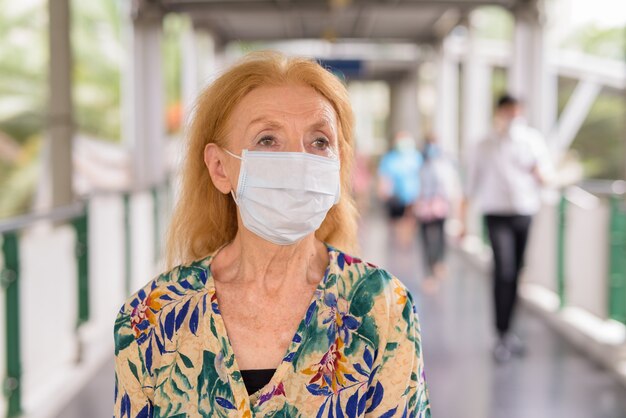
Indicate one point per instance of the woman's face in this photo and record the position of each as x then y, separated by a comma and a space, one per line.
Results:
292, 118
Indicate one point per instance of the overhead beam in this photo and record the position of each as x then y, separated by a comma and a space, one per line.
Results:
446, 22
264, 5
580, 66
226, 39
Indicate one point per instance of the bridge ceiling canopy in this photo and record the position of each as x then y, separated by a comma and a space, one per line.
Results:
416, 21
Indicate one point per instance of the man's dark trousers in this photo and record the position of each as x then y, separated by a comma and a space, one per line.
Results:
508, 235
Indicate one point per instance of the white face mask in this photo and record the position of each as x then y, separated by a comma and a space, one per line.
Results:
285, 196
405, 144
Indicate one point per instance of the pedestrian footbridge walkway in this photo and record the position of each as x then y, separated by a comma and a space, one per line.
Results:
554, 380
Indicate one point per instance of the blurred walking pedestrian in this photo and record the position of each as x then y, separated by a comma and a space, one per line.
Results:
505, 176
431, 209
399, 185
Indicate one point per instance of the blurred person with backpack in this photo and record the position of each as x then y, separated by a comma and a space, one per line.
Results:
432, 209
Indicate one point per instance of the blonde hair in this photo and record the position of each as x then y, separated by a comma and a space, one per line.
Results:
204, 218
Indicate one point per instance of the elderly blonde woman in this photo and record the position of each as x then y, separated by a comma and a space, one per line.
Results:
264, 316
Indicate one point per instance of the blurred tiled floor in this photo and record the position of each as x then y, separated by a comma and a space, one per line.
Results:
552, 381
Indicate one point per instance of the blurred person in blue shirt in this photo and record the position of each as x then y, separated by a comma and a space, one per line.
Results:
399, 184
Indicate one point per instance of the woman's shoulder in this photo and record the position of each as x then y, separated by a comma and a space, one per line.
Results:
141, 310
369, 289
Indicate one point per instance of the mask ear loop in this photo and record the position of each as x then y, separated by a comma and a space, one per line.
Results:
232, 193
232, 155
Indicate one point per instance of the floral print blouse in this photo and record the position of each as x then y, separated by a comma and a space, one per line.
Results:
356, 352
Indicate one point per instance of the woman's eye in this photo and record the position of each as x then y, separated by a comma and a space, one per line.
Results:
321, 143
267, 141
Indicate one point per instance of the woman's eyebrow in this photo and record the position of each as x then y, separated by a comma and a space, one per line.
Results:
265, 121
274, 124
325, 125
322, 123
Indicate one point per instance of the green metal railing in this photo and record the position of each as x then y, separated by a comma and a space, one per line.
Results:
81, 226
78, 216
128, 258
560, 251
10, 278
614, 193
10, 283
617, 260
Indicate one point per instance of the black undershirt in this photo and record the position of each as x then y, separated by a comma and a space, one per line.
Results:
256, 379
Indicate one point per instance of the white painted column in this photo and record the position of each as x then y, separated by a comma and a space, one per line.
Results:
208, 62
403, 110
531, 78
447, 110
190, 80
144, 113
476, 95
519, 77
55, 188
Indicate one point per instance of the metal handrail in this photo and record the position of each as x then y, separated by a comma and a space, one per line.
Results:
71, 211
58, 214
77, 215
603, 188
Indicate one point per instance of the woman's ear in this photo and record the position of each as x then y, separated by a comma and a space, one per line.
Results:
213, 159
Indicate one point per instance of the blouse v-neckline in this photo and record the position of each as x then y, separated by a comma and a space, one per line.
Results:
240, 393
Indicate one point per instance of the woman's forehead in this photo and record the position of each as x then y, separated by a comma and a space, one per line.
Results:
270, 104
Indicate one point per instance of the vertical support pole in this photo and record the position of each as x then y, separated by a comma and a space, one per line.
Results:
403, 110
531, 77
127, 244
10, 282
56, 189
475, 121
447, 113
560, 263
144, 123
81, 226
190, 83
617, 261
476, 94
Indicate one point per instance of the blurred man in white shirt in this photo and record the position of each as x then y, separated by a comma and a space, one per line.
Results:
505, 175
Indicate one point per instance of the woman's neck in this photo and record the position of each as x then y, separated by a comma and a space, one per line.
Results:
252, 261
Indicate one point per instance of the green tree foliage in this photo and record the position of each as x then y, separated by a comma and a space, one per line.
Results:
600, 141
23, 65
97, 61
602, 42
493, 22
98, 58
